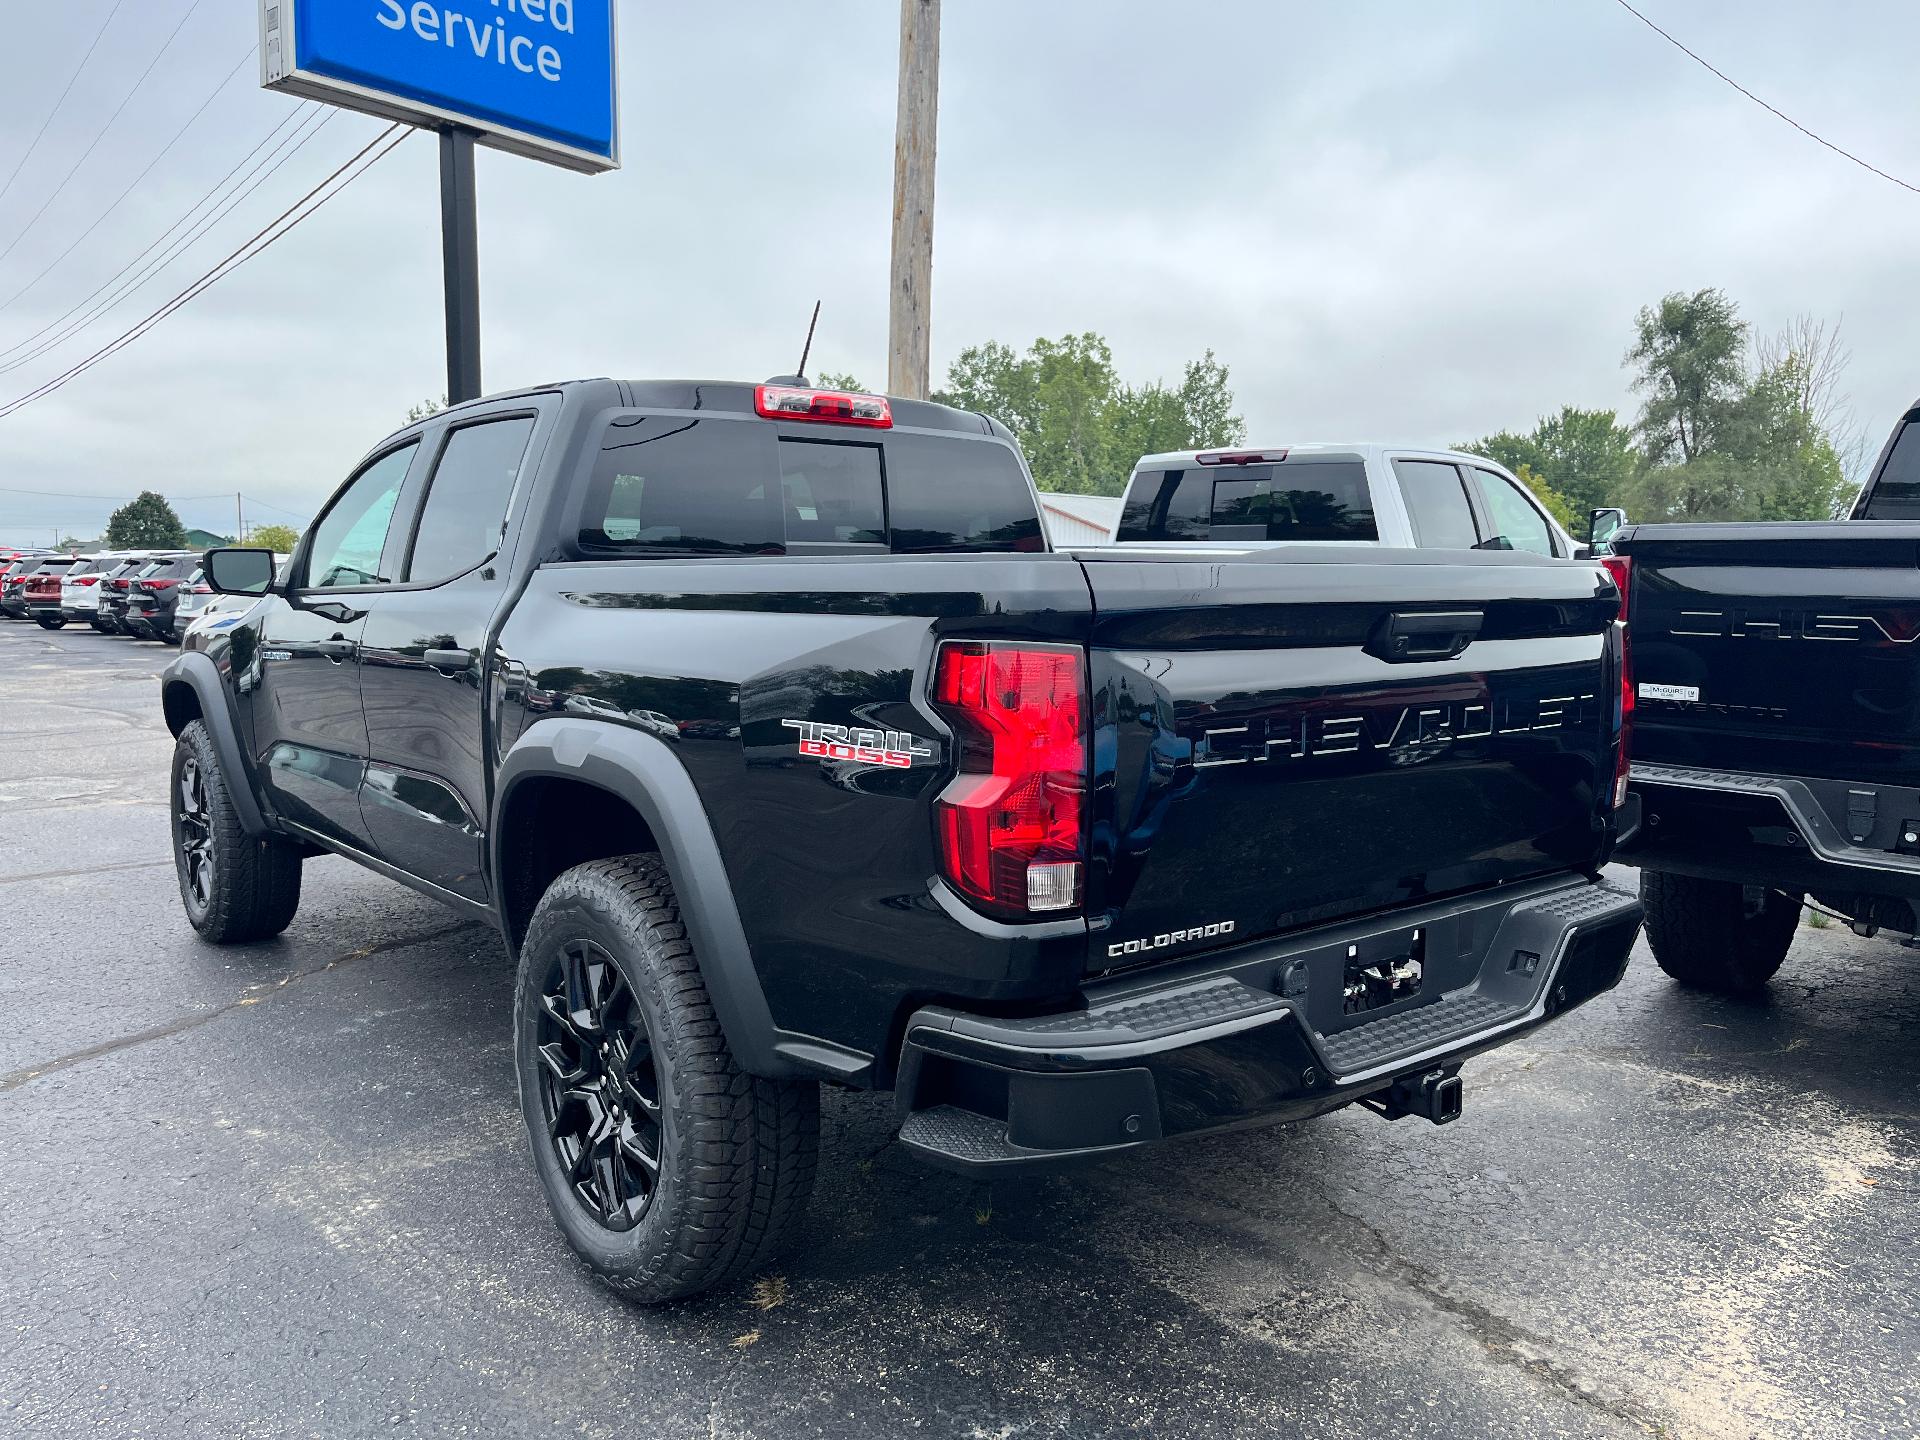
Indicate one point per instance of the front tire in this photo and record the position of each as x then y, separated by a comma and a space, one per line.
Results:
667, 1167
1711, 935
236, 888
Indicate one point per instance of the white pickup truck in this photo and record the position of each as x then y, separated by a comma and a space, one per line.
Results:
1334, 495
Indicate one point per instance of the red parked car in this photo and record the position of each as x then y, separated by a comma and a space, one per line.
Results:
40, 591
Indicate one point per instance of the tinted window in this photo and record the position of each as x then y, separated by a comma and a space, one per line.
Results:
701, 486
830, 493
348, 540
948, 494
731, 487
1167, 505
466, 508
1437, 505
1303, 501
1514, 517
1896, 494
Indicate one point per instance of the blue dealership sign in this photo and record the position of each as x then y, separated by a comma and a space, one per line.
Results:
536, 77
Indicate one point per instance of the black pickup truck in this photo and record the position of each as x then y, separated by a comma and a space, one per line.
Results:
778, 746
1776, 725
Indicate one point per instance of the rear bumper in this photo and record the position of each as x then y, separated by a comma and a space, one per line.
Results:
1258, 1038
1791, 833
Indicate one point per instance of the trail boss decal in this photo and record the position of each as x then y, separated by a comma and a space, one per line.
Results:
894, 748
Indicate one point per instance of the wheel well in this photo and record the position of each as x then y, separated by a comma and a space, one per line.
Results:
181, 705
549, 825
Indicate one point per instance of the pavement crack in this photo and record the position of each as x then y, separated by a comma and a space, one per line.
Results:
83, 871
1503, 1340
13, 1080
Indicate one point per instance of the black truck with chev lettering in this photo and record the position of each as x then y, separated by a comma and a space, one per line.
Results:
1776, 724
779, 746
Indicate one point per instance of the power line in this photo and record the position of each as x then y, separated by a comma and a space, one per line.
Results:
80, 239
40, 134
125, 100
233, 261
1770, 109
10, 359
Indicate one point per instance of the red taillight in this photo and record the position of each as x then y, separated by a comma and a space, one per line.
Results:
838, 407
1241, 457
160, 584
86, 580
1011, 824
1620, 567
203, 590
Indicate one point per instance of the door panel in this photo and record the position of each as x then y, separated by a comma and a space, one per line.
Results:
425, 795
309, 731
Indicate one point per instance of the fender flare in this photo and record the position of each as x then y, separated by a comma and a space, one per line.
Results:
643, 771
199, 674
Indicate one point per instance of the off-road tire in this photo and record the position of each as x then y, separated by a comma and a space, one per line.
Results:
736, 1151
1705, 933
50, 622
250, 888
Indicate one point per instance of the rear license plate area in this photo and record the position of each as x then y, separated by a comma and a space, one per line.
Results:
1373, 982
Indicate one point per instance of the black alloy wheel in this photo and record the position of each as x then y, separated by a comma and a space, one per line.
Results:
599, 1088
195, 829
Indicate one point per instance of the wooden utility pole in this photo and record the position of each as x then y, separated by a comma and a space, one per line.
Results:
909, 338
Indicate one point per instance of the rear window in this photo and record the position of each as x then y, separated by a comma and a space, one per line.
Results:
54, 567
668, 485
1308, 500
1896, 494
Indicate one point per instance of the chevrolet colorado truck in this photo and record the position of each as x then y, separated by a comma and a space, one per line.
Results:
1776, 725
779, 748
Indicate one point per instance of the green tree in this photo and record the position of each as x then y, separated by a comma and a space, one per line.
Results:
279, 538
146, 522
1690, 351
1080, 426
843, 380
426, 407
1556, 503
1585, 456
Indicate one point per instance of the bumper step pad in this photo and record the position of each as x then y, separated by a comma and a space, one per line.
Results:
1452, 1017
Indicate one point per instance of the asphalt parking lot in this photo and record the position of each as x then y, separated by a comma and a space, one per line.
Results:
283, 1190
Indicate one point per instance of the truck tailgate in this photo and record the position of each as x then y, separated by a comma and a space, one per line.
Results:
1270, 755
1784, 649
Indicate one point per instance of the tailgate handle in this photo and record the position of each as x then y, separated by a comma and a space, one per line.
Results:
1432, 635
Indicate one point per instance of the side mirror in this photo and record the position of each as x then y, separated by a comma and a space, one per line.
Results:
1602, 526
237, 571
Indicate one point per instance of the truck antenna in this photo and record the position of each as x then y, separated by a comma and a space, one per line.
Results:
807, 349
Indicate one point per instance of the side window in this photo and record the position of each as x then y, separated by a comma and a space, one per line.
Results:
349, 538
1437, 505
1896, 490
466, 508
1514, 516
1167, 505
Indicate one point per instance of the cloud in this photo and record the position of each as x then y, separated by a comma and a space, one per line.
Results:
1391, 220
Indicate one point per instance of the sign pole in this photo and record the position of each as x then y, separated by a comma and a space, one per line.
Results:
460, 259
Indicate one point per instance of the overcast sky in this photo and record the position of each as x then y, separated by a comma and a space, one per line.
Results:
1392, 219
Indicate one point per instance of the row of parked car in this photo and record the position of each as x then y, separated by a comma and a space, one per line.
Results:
148, 594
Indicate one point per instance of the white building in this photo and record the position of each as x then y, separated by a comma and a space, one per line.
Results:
1079, 519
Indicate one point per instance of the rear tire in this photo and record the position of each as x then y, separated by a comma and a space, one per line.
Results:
1707, 934
668, 1168
50, 622
236, 888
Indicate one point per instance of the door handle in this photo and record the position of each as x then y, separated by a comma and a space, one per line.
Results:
337, 649
1441, 635
451, 661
